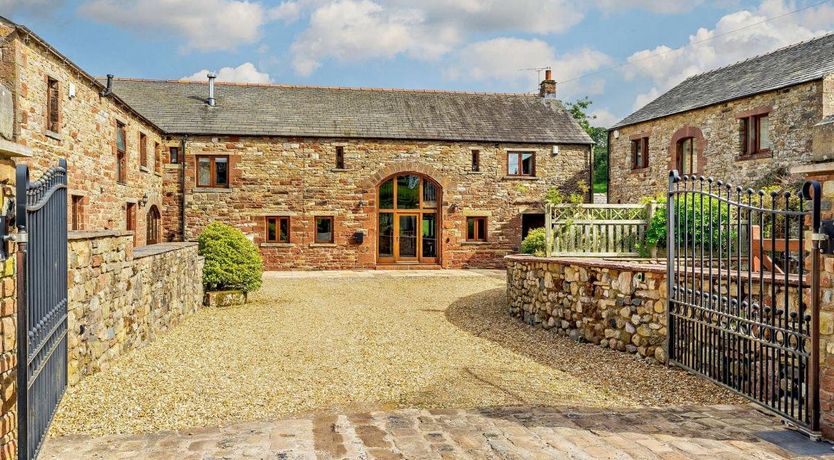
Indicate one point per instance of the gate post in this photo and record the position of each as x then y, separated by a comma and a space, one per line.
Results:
670, 258
813, 190
21, 184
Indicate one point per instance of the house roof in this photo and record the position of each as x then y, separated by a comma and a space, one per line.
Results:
179, 107
792, 65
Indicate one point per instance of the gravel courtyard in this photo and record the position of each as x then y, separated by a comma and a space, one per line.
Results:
310, 343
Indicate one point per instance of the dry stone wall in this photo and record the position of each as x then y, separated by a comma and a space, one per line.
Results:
616, 305
121, 298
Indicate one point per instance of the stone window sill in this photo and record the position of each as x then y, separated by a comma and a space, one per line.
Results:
144, 169
768, 154
474, 172
172, 166
212, 190
277, 245
323, 245
53, 135
474, 243
157, 173
532, 178
339, 169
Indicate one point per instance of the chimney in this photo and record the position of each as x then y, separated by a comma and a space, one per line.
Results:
547, 88
108, 90
211, 76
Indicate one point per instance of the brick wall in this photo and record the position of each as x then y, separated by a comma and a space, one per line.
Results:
86, 137
297, 177
795, 110
8, 359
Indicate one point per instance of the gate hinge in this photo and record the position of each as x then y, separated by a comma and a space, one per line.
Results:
19, 237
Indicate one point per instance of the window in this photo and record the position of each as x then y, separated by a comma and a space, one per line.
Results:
157, 157
340, 157
685, 163
154, 227
53, 106
130, 219
174, 155
324, 229
212, 171
754, 134
143, 150
278, 229
521, 164
640, 153
476, 160
77, 222
121, 155
476, 229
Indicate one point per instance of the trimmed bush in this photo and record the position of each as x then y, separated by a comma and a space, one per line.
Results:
534, 243
232, 261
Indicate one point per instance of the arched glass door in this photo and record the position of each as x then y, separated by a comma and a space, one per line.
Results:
408, 220
153, 235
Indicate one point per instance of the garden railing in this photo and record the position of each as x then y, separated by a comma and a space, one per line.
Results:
596, 230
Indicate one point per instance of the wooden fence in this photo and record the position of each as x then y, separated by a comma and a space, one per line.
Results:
596, 230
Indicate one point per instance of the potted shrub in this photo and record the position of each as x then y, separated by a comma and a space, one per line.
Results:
233, 265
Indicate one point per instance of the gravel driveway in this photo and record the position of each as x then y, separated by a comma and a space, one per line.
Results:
308, 343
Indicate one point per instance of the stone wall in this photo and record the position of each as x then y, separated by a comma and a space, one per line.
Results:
8, 358
121, 298
794, 112
86, 135
617, 305
309, 185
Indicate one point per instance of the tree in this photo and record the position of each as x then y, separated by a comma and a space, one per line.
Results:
579, 111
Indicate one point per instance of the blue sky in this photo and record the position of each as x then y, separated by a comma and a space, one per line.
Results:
620, 53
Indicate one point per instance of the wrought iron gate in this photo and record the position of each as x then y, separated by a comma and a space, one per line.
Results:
744, 291
41, 219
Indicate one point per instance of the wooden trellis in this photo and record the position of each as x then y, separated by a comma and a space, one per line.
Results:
596, 230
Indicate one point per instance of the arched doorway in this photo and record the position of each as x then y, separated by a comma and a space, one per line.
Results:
408, 219
153, 230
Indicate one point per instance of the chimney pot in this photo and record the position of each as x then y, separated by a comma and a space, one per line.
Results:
547, 88
211, 101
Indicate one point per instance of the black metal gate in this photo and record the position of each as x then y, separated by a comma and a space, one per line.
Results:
744, 291
41, 219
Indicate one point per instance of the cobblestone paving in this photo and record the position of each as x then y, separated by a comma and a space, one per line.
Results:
709, 432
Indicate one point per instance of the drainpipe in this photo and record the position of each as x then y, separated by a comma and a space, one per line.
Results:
183, 142
108, 89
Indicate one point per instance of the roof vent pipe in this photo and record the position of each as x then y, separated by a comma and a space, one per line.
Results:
108, 90
211, 76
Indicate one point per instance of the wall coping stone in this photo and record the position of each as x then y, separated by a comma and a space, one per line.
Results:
89, 235
594, 262
155, 249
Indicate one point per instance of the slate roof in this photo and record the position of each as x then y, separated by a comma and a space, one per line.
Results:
792, 65
179, 107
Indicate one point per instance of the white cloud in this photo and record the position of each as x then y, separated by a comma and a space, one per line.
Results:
244, 73
654, 6
725, 44
507, 60
205, 24
603, 118
9, 7
359, 30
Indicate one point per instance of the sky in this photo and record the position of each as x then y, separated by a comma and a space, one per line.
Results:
620, 54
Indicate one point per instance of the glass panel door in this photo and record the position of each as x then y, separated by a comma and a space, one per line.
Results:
407, 233
429, 235
386, 234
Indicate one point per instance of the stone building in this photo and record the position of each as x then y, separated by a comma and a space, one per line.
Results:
742, 123
319, 178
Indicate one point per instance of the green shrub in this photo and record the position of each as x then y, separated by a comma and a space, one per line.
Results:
534, 243
693, 226
232, 261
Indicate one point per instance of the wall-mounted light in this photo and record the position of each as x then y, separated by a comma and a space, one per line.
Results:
144, 200
616, 134
454, 207
71, 92
555, 150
